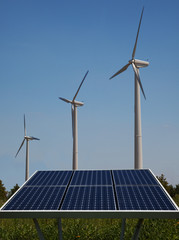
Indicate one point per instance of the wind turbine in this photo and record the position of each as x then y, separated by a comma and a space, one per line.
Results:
136, 64
74, 105
27, 139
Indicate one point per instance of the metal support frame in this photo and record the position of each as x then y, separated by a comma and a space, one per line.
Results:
41, 237
123, 228
137, 229
60, 237
60, 229
40, 234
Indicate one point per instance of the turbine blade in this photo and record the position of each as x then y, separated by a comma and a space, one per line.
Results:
133, 54
20, 147
34, 138
65, 100
72, 115
24, 126
80, 86
121, 70
138, 79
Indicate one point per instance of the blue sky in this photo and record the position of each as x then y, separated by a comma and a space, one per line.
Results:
46, 48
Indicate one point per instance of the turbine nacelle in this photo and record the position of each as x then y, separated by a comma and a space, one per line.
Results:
73, 102
78, 104
139, 63
30, 138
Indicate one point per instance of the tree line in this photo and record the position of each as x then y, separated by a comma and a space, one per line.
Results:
5, 195
173, 191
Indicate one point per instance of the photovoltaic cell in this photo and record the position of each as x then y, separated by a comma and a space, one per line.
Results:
134, 177
51, 178
143, 198
95, 177
36, 198
89, 198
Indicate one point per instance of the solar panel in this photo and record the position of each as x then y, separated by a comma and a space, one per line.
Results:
92, 190
43, 191
93, 177
51, 178
37, 198
134, 177
89, 198
140, 190
142, 198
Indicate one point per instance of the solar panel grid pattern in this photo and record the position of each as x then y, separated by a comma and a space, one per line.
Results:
91, 178
139, 190
37, 198
44, 191
90, 190
50, 178
134, 177
89, 198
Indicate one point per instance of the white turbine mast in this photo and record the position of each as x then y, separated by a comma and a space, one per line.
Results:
27, 139
136, 64
74, 105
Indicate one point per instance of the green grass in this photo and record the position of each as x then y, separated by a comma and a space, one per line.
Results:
88, 229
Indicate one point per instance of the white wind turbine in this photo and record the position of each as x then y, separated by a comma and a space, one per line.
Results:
27, 138
136, 64
74, 105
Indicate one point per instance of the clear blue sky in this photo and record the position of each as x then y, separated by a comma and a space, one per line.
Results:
46, 47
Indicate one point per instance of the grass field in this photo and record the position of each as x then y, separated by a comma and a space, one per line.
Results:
88, 229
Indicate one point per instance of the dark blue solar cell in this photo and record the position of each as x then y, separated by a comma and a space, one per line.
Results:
143, 198
134, 177
89, 198
91, 178
36, 198
51, 178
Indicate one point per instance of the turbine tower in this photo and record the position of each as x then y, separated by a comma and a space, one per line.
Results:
74, 105
136, 64
27, 139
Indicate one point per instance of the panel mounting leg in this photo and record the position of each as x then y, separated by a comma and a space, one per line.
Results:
60, 229
137, 229
41, 237
123, 228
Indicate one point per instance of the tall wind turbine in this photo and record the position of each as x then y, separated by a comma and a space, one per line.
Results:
136, 64
74, 105
27, 139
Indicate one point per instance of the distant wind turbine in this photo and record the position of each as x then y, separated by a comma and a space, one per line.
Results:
136, 64
27, 138
74, 105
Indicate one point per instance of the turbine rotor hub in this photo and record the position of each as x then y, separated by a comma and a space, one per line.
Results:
77, 103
